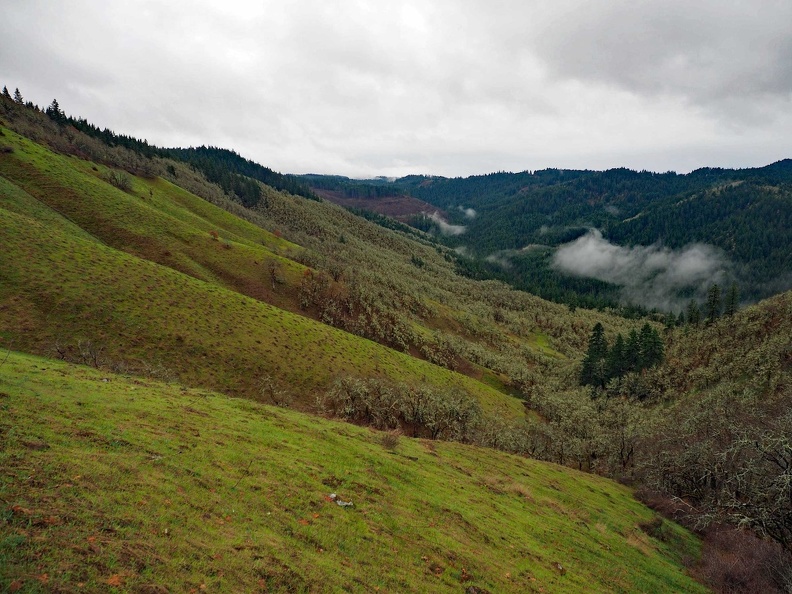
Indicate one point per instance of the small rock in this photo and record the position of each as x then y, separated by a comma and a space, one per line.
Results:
334, 497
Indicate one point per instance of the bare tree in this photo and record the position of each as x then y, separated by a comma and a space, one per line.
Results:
275, 270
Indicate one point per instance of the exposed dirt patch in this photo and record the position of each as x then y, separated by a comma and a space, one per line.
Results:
401, 208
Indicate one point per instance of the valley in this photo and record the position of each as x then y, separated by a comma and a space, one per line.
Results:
189, 348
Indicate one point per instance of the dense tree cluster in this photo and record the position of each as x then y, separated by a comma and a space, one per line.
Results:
715, 307
237, 175
56, 114
377, 188
110, 138
639, 351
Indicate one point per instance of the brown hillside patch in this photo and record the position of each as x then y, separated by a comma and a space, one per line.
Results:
400, 208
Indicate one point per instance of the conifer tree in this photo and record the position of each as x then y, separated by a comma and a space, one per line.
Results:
651, 347
693, 313
18, 97
6, 94
632, 351
594, 371
55, 113
732, 301
713, 308
616, 360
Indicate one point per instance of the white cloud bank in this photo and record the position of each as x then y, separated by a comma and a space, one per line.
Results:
447, 228
651, 276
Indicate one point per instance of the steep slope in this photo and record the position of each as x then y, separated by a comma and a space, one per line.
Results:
109, 482
724, 441
399, 290
62, 289
154, 219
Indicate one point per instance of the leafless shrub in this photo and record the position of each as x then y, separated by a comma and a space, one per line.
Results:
269, 391
738, 562
119, 179
390, 439
156, 370
672, 508
422, 410
61, 349
90, 353
275, 270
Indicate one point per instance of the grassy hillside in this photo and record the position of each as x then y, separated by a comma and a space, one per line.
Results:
61, 287
123, 484
150, 276
304, 304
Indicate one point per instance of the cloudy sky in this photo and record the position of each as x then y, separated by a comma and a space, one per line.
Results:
435, 86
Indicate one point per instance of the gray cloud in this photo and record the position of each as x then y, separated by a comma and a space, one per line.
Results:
468, 212
652, 276
733, 58
444, 87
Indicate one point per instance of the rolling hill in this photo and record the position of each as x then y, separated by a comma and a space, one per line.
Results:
138, 275
142, 268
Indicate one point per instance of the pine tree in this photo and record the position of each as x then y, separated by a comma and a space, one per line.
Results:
18, 97
632, 352
651, 347
713, 308
55, 113
693, 313
616, 361
6, 94
594, 372
732, 301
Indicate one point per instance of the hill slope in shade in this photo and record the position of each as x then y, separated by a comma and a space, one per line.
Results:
111, 481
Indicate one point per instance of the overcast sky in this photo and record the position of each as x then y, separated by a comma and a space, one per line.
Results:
436, 86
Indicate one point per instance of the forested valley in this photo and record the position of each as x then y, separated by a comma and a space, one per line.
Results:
522, 218
201, 268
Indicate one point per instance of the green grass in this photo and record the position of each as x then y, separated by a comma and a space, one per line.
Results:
68, 288
74, 268
541, 343
156, 220
110, 480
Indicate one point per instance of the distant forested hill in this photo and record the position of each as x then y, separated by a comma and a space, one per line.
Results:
513, 222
